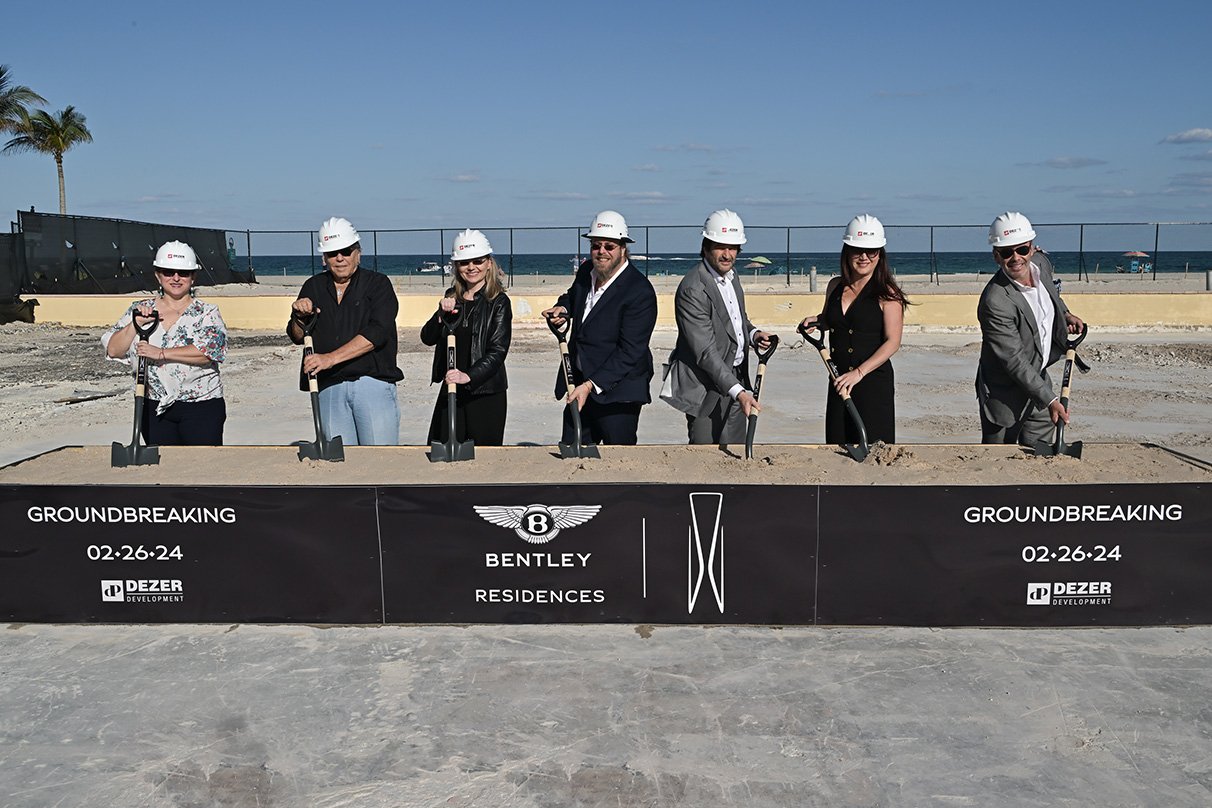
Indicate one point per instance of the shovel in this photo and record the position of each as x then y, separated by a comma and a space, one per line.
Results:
1059, 447
576, 449
452, 449
763, 358
136, 455
323, 449
857, 451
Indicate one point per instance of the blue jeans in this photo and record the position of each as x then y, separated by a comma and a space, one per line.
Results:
363, 412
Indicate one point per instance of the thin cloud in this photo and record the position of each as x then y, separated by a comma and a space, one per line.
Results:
641, 197
648, 167
919, 93
553, 195
465, 177
1065, 162
688, 146
775, 202
1201, 156
1190, 136
1063, 189
1110, 193
930, 197
1191, 182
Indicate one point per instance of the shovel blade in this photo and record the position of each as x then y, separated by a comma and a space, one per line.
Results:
330, 450
857, 451
749, 433
452, 451
134, 455
571, 450
309, 451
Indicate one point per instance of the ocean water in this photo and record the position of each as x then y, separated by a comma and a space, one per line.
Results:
944, 263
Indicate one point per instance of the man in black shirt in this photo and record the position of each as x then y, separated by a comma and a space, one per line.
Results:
355, 342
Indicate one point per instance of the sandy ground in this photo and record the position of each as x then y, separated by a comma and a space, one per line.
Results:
58, 390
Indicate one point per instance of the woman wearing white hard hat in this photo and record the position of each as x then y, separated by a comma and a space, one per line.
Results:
482, 339
864, 314
185, 405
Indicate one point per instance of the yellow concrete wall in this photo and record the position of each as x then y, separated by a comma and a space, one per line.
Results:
272, 312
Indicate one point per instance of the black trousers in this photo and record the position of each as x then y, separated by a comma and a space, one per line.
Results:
610, 424
480, 418
185, 423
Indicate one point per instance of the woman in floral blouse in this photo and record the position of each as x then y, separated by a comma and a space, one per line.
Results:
185, 404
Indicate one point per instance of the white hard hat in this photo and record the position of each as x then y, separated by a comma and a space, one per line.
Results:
468, 245
1010, 229
864, 231
724, 227
176, 255
608, 224
337, 234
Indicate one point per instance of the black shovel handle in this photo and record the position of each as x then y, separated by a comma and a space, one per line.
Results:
561, 331
306, 324
145, 331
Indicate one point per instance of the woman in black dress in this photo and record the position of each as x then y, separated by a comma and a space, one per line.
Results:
864, 314
481, 342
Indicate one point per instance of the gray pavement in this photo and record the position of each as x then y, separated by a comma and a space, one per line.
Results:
548, 716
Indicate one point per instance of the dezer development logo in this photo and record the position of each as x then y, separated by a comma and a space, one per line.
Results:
142, 591
1069, 593
537, 524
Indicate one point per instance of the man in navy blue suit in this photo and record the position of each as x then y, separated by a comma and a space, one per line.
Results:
613, 309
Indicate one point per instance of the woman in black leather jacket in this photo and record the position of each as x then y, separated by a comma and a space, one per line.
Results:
481, 342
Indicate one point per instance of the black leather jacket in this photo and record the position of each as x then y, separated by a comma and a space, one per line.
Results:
491, 323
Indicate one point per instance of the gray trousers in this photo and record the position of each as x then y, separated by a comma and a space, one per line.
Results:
1034, 426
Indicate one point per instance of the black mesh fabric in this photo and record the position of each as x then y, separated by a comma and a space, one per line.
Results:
84, 255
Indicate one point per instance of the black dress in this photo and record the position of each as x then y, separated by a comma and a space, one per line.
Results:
853, 338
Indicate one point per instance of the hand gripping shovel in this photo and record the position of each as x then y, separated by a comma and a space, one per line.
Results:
763, 358
136, 455
857, 451
451, 450
323, 449
576, 449
1059, 447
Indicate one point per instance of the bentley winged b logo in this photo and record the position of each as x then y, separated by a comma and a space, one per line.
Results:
538, 524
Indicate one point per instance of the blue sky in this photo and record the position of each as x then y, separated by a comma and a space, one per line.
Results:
399, 115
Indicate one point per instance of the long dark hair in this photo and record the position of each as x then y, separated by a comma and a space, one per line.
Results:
882, 284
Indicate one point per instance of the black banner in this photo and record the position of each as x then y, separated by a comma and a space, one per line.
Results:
598, 554
775, 555
1066, 555
181, 555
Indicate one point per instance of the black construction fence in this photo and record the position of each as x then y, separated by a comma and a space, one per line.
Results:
48, 253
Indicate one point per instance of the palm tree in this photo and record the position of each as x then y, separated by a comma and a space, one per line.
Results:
53, 135
13, 100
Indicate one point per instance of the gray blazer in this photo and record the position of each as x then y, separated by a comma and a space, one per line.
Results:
700, 370
1010, 375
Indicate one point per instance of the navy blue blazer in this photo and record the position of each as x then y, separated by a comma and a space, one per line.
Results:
610, 348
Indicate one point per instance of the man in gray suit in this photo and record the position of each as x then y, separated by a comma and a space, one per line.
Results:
707, 376
1024, 324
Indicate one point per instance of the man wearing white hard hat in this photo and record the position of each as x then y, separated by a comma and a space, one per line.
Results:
613, 309
1024, 327
708, 372
355, 342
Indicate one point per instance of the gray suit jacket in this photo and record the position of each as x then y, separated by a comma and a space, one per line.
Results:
1010, 375
700, 370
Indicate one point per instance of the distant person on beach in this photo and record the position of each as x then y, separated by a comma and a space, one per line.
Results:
185, 405
864, 314
482, 337
1024, 327
355, 342
613, 310
707, 376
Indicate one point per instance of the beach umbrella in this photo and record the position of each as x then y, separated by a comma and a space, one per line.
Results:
1136, 254
759, 259
754, 265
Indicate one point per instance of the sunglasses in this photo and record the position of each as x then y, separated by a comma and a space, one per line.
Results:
181, 273
874, 253
479, 262
604, 246
1006, 252
348, 251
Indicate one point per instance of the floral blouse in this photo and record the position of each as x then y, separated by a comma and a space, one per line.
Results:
200, 326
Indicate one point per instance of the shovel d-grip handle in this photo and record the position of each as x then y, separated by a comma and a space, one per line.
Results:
145, 331
306, 324
1072, 343
561, 331
764, 356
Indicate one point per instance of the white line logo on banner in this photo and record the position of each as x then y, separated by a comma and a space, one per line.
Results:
537, 524
694, 548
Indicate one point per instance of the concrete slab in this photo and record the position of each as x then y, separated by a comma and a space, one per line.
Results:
603, 715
